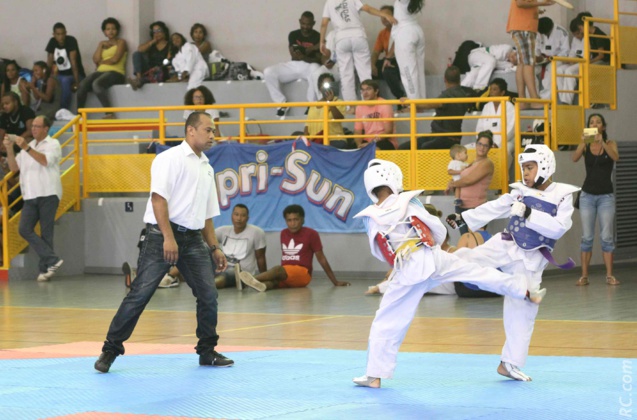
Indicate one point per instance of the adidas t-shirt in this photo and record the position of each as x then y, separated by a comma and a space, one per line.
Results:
299, 248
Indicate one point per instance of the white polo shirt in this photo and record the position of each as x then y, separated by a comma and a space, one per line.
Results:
37, 180
187, 182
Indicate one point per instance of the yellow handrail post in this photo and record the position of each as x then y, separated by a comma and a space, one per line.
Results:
242, 125
85, 174
414, 146
326, 125
586, 64
616, 18
162, 127
554, 102
76, 151
518, 140
504, 167
4, 201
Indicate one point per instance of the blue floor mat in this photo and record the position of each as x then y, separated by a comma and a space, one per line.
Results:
316, 384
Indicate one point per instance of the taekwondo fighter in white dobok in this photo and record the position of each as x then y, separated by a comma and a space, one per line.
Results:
540, 213
405, 235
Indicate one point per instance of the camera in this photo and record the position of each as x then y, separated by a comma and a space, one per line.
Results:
589, 134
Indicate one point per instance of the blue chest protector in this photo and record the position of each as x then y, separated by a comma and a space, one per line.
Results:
526, 238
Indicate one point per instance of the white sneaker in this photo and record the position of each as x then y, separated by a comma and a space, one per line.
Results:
368, 381
50, 272
248, 279
237, 273
43, 277
513, 372
168, 281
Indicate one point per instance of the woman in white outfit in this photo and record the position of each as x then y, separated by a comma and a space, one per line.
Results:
409, 47
188, 61
352, 48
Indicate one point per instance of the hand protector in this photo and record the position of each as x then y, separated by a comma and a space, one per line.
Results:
520, 209
455, 221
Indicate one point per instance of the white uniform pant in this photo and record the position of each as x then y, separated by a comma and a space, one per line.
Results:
545, 91
569, 83
482, 65
399, 304
286, 73
350, 53
315, 77
196, 78
409, 47
518, 315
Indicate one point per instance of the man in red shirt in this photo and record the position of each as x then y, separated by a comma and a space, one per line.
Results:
299, 244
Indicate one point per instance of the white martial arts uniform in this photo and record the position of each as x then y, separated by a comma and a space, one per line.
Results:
424, 269
352, 48
541, 227
577, 50
409, 49
483, 61
495, 124
329, 43
190, 59
555, 45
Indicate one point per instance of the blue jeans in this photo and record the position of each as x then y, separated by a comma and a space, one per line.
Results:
195, 264
597, 206
66, 82
40, 209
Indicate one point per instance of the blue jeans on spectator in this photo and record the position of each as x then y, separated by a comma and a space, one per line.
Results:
198, 268
140, 62
98, 82
40, 209
600, 207
66, 82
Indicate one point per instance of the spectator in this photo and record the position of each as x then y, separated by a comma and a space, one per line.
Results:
182, 203
475, 179
299, 244
13, 82
493, 121
303, 45
597, 198
148, 60
110, 59
65, 61
16, 119
595, 42
352, 49
43, 89
576, 51
314, 129
523, 26
188, 62
39, 166
329, 65
372, 127
482, 61
551, 42
387, 67
458, 163
201, 95
409, 45
244, 246
453, 90
198, 34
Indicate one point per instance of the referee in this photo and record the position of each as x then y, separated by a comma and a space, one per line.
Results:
182, 203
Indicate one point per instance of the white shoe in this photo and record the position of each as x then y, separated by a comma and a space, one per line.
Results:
237, 273
168, 281
513, 372
368, 381
248, 279
50, 272
43, 277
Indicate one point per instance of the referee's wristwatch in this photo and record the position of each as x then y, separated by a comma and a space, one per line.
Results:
213, 248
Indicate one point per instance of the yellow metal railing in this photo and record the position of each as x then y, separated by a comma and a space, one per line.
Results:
423, 169
626, 37
12, 242
519, 122
600, 80
568, 120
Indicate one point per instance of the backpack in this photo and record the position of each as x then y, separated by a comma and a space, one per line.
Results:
461, 59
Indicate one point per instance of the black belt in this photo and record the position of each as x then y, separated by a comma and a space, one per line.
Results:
180, 229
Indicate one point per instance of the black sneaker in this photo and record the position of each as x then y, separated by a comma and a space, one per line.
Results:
105, 361
128, 271
213, 358
280, 112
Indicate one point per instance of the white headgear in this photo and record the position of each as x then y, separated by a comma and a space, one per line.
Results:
545, 159
382, 172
